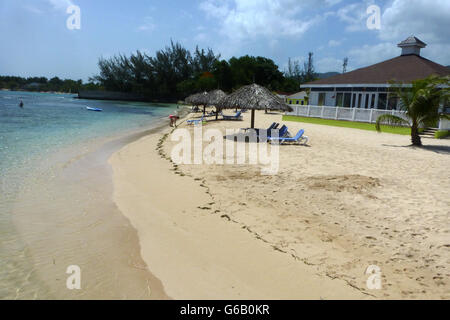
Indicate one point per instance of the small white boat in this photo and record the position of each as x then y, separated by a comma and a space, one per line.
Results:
94, 109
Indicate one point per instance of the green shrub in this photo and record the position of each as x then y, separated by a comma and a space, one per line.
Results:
442, 134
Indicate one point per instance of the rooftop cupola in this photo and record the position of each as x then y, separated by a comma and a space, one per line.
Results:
412, 45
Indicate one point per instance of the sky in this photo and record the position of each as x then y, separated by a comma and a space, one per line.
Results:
37, 42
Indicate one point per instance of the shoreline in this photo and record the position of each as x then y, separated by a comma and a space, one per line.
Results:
208, 244
111, 265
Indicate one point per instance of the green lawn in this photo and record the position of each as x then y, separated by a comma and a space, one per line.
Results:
348, 124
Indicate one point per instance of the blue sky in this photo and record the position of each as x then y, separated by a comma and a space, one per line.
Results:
36, 41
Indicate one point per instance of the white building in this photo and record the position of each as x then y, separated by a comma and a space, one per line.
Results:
369, 87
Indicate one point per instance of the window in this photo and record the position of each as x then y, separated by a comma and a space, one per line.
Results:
366, 105
303, 102
290, 101
372, 101
382, 99
339, 100
347, 100
392, 102
321, 98
354, 101
359, 100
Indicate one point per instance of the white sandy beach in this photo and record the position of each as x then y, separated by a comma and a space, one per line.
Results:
349, 200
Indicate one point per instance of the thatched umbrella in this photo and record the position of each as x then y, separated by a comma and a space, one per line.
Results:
253, 97
198, 99
190, 100
214, 97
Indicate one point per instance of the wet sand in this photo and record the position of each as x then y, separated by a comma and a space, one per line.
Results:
65, 215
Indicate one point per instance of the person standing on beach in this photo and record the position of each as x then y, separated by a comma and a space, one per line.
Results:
173, 120
21, 104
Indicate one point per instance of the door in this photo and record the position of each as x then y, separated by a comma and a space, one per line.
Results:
366, 100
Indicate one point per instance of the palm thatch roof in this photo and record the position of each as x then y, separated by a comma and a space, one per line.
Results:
214, 97
197, 99
253, 97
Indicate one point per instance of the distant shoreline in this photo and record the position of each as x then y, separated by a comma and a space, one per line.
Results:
103, 95
51, 92
121, 96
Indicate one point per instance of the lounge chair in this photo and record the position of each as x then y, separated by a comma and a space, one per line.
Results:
283, 132
264, 135
237, 116
211, 114
273, 126
299, 138
195, 121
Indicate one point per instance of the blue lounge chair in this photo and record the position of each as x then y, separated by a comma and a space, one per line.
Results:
282, 133
273, 126
237, 116
211, 114
299, 138
264, 135
195, 121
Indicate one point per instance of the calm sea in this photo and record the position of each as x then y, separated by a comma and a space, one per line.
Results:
55, 195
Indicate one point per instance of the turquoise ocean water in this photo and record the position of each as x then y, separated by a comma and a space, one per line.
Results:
55, 131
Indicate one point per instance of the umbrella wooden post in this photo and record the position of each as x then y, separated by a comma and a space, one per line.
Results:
253, 118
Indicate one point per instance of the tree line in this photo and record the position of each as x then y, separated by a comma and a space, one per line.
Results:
174, 73
42, 84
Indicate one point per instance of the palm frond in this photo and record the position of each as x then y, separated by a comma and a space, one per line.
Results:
391, 121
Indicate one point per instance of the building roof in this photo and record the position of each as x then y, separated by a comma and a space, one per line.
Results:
298, 95
404, 69
412, 41
282, 93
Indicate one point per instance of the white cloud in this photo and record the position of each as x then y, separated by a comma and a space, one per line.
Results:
354, 15
61, 4
371, 54
250, 19
332, 2
438, 52
201, 37
429, 20
329, 64
33, 9
334, 43
148, 25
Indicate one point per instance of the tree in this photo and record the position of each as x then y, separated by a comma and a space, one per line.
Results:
187, 87
293, 71
263, 71
206, 82
203, 61
171, 73
309, 74
345, 64
292, 76
421, 102
222, 73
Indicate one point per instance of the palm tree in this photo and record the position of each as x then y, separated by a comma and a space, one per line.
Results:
421, 102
